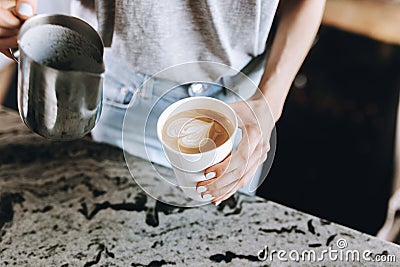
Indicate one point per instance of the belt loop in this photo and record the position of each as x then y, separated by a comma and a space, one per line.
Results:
147, 87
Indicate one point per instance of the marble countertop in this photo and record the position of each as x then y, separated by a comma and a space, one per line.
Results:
75, 204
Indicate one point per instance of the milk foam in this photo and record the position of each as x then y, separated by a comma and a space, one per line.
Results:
62, 48
196, 131
190, 132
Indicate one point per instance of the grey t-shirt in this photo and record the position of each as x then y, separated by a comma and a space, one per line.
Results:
153, 35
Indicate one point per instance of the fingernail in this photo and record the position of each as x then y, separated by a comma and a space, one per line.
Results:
210, 175
217, 203
207, 196
201, 189
25, 9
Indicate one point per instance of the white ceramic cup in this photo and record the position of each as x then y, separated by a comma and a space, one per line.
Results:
189, 168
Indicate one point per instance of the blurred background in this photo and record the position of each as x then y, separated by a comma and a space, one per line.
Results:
336, 150
337, 136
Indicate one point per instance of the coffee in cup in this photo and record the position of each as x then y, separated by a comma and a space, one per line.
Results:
196, 131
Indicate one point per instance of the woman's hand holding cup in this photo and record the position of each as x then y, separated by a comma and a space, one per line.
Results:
237, 170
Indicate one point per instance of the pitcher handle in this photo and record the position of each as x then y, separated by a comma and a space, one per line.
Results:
105, 11
14, 52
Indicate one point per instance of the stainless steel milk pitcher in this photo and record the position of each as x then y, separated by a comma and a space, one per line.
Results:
60, 77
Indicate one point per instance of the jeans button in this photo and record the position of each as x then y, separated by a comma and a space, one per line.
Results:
204, 89
125, 95
196, 89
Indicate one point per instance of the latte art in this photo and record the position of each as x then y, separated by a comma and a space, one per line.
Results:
196, 131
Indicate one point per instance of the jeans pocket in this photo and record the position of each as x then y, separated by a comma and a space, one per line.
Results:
118, 94
120, 83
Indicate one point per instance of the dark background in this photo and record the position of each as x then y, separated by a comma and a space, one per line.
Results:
335, 139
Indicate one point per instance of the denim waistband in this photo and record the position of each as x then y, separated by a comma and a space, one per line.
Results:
121, 85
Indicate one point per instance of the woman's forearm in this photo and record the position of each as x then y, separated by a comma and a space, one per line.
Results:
295, 34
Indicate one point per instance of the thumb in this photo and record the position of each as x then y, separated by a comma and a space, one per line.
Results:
26, 8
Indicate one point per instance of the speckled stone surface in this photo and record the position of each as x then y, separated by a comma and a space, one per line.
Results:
75, 204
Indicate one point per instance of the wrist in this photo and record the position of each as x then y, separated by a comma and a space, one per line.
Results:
273, 92
268, 104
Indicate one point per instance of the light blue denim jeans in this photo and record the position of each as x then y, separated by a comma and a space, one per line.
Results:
129, 116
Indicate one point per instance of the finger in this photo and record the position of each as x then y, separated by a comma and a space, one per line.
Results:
26, 8
213, 186
246, 147
232, 188
251, 139
8, 42
5, 32
264, 152
216, 186
217, 171
228, 191
8, 19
